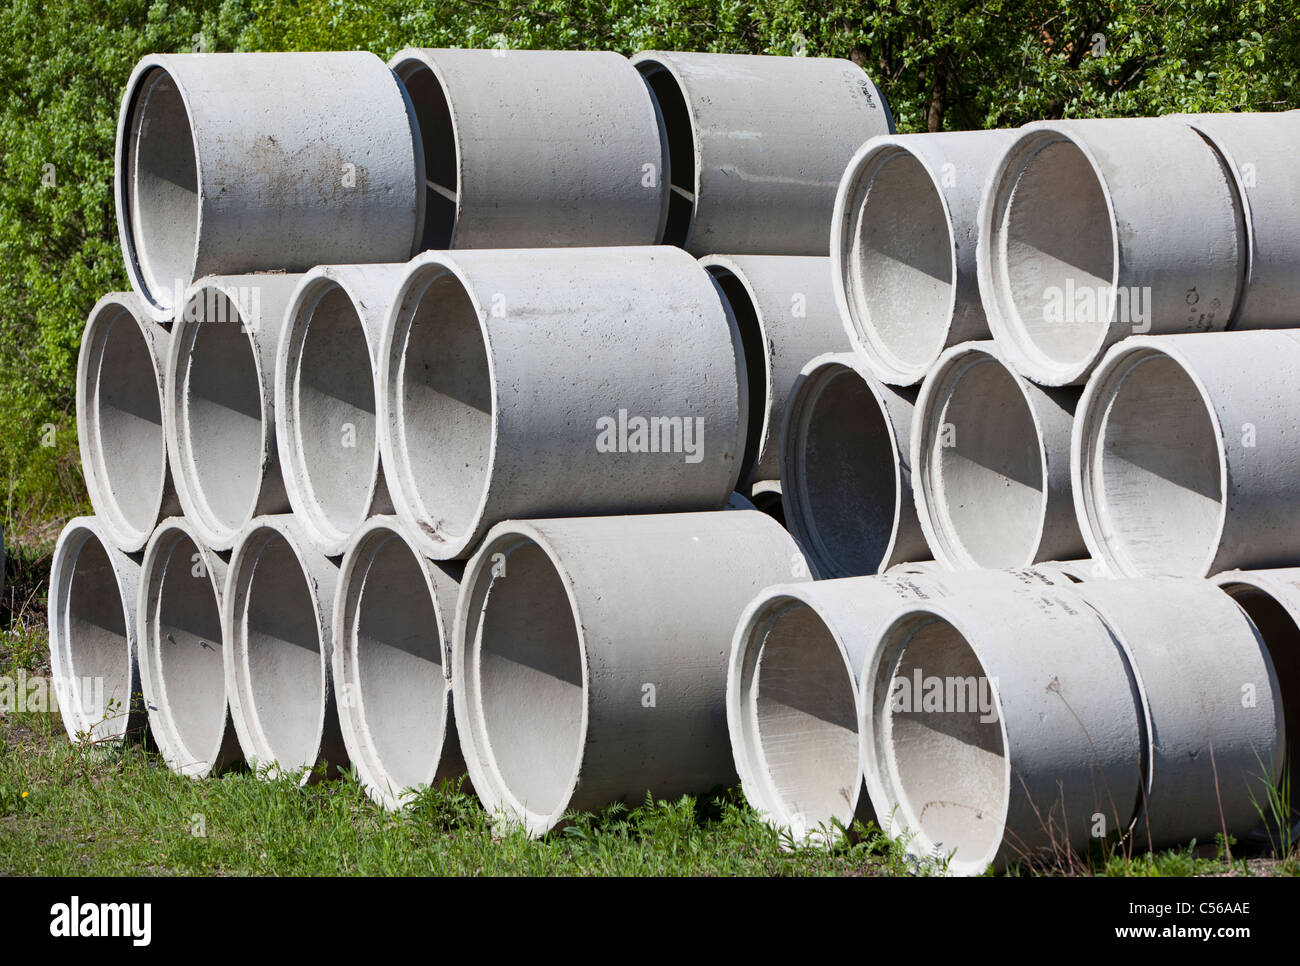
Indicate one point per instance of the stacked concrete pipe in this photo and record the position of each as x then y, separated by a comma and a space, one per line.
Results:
325, 411
990, 455
93, 656
904, 234
786, 314
531, 383
392, 662
1091, 231
219, 412
1183, 460
121, 384
230, 163
845, 473
536, 148
757, 146
278, 623
590, 657
181, 652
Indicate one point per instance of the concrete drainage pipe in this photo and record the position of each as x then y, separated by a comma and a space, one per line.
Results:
590, 656
999, 728
325, 426
766, 496
120, 394
484, 415
990, 455
792, 689
786, 314
757, 146
278, 614
219, 409
182, 669
536, 148
1182, 461
1210, 706
392, 661
1094, 230
845, 471
903, 241
232, 163
93, 658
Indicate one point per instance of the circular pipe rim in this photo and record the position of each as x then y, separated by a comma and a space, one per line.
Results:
402, 64
648, 63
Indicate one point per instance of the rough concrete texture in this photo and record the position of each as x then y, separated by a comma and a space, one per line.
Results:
233, 163
120, 393
786, 313
792, 689
757, 146
1272, 599
1211, 706
278, 621
990, 455
845, 470
1183, 459
536, 148
181, 648
392, 660
92, 618
1094, 230
531, 383
219, 406
903, 239
999, 727
590, 656
1260, 150
325, 423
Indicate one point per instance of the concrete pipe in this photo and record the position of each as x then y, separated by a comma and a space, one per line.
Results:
182, 669
536, 148
561, 382
1272, 599
1094, 230
999, 728
92, 617
792, 687
278, 618
219, 407
757, 145
233, 163
1210, 706
120, 393
990, 455
590, 657
919, 567
845, 469
325, 424
786, 313
1077, 571
392, 660
767, 498
903, 241
1260, 151
1183, 459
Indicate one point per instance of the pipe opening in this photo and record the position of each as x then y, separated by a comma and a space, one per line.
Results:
983, 472
945, 759
806, 712
680, 134
282, 653
902, 264
128, 457
756, 365
332, 389
162, 187
530, 681
444, 405
1153, 467
1054, 255
399, 663
98, 648
438, 137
